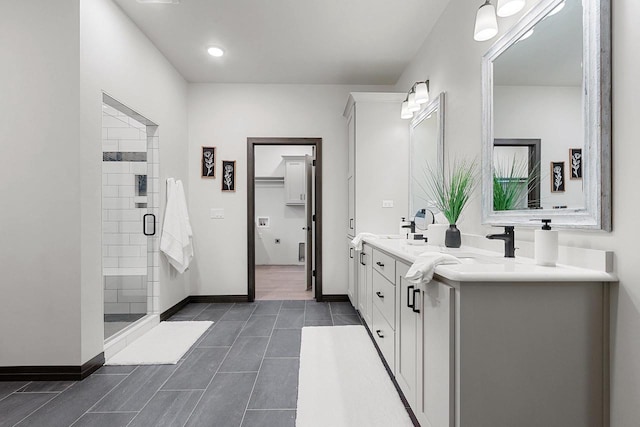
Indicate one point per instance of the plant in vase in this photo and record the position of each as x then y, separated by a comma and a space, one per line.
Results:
450, 192
513, 184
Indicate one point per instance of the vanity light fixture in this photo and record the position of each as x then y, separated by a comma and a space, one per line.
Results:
509, 7
215, 51
417, 95
486, 23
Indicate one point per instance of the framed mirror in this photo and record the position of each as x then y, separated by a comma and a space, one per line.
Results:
426, 150
547, 118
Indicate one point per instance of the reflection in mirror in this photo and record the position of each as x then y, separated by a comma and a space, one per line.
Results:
426, 151
546, 123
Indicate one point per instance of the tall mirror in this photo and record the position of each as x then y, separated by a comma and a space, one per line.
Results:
426, 151
546, 118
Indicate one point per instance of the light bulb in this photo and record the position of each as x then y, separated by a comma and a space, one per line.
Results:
412, 104
404, 112
486, 23
422, 93
509, 7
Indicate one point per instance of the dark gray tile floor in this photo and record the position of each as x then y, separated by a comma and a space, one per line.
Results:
243, 372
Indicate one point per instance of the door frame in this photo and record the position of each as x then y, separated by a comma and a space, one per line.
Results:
251, 207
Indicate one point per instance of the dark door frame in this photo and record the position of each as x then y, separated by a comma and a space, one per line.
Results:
534, 164
251, 207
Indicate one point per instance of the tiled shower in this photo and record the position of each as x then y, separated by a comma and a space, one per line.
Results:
130, 170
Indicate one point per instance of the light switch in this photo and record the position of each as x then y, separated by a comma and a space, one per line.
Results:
387, 203
217, 213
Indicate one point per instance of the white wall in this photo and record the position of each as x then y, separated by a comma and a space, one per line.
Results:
451, 59
553, 115
285, 221
224, 115
117, 58
40, 185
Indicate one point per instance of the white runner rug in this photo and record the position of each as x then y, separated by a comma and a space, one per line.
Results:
343, 382
163, 345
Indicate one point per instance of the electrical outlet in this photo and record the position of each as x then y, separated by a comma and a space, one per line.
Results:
387, 203
217, 213
277, 241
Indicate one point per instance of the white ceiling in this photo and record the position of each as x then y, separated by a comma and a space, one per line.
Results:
289, 41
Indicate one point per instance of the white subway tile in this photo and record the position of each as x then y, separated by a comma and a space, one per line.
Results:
138, 239
109, 227
117, 203
133, 227
123, 133
109, 145
110, 261
138, 168
133, 144
109, 191
116, 308
132, 295
126, 191
138, 307
110, 295
124, 251
155, 170
116, 239
116, 167
140, 199
124, 215
133, 262
120, 179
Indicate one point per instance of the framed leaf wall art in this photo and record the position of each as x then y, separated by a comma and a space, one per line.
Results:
228, 175
208, 162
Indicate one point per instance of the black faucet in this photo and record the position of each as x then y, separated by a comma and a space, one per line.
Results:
509, 237
411, 226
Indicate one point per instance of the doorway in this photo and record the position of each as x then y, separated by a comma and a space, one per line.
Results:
284, 218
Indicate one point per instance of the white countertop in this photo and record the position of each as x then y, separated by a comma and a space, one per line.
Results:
485, 266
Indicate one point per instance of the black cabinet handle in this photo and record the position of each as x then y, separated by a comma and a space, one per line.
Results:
152, 222
415, 309
351, 223
380, 295
351, 253
381, 265
379, 333
362, 258
409, 293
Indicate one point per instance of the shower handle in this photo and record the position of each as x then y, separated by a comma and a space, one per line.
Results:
145, 223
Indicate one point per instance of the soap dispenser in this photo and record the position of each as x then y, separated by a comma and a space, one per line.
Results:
546, 245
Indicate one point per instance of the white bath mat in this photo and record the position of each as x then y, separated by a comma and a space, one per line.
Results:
163, 345
343, 382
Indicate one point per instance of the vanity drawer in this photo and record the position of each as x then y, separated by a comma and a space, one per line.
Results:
385, 337
384, 297
384, 264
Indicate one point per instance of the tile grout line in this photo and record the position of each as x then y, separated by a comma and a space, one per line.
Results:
107, 392
217, 370
37, 409
244, 413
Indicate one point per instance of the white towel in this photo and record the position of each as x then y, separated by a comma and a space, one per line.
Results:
357, 241
176, 230
422, 269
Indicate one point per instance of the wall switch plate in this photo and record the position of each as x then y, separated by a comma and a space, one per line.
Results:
387, 203
217, 213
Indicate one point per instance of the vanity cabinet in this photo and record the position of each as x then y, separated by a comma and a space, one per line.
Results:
522, 346
352, 291
365, 284
295, 188
425, 348
378, 141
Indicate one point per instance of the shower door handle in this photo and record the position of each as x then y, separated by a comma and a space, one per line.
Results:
149, 221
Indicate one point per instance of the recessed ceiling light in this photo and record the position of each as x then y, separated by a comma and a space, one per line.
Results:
160, 1
215, 51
